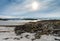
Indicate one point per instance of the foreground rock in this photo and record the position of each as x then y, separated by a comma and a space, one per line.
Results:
44, 27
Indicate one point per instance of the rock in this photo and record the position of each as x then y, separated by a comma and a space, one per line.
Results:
37, 36
44, 27
57, 39
6, 38
27, 36
16, 38
21, 37
33, 39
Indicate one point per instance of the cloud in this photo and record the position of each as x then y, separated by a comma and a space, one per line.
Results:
22, 8
17, 9
2, 16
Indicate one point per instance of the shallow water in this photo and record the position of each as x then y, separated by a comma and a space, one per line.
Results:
16, 22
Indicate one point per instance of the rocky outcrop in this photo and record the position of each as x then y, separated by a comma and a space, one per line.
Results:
40, 28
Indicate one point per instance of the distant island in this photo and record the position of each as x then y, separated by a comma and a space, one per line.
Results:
5, 19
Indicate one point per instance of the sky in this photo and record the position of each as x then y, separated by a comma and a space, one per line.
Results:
29, 8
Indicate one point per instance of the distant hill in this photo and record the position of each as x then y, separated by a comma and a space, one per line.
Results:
29, 19
17, 19
3, 19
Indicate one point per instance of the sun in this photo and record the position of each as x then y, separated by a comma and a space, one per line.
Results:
35, 5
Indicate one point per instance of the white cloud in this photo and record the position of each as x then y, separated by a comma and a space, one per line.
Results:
25, 7
54, 14
2, 16
19, 9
